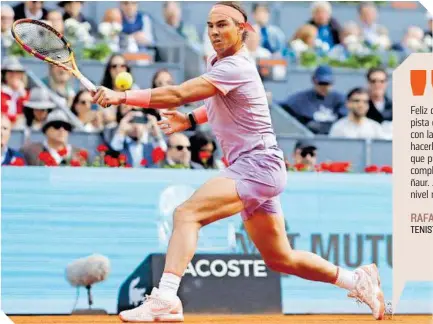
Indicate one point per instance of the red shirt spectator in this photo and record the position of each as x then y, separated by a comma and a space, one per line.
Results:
13, 90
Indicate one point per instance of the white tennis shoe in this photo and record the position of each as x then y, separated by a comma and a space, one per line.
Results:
368, 291
155, 309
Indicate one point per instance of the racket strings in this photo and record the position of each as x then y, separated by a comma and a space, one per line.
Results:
43, 41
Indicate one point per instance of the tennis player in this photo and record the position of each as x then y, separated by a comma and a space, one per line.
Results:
236, 108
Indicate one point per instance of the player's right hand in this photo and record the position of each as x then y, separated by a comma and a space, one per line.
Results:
175, 122
106, 97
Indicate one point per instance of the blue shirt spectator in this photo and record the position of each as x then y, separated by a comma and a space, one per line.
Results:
136, 24
319, 107
328, 28
272, 37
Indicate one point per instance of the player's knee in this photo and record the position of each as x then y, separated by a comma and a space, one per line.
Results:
183, 216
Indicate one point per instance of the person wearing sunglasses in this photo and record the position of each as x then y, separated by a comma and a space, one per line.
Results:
89, 114
178, 152
357, 124
56, 129
320, 106
380, 105
116, 64
305, 153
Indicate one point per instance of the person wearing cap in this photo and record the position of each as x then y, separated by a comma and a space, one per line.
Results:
56, 128
73, 10
137, 136
31, 10
305, 153
318, 107
357, 125
9, 155
37, 108
13, 90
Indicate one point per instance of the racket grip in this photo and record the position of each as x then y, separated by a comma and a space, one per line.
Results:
87, 83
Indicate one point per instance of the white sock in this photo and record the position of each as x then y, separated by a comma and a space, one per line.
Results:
346, 279
168, 285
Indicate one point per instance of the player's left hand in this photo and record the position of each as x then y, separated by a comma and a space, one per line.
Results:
175, 122
106, 97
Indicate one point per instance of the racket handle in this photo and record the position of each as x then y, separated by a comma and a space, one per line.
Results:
87, 83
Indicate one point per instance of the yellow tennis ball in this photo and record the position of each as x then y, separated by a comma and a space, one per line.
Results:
124, 81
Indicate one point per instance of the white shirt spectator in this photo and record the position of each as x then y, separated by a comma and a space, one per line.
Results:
366, 129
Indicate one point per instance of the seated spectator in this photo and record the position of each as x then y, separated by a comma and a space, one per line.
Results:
351, 41
137, 24
380, 105
137, 136
56, 20
7, 19
271, 37
328, 27
173, 17
304, 39
356, 124
368, 16
116, 64
73, 10
59, 81
13, 90
256, 51
90, 115
55, 150
305, 154
31, 10
319, 107
203, 149
9, 156
111, 27
36, 109
307, 34
178, 153
161, 78
413, 41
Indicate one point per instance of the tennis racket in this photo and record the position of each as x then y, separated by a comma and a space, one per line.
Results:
45, 43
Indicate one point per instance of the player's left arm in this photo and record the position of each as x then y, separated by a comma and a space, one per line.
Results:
160, 98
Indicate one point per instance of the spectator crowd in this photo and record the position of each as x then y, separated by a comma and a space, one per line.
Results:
131, 135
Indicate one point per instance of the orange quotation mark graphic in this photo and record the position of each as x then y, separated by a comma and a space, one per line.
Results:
418, 81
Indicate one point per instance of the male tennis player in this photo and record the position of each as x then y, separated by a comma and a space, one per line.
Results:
237, 110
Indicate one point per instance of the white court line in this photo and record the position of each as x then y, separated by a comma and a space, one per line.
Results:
4, 319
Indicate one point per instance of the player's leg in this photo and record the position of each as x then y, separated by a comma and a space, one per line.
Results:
216, 199
268, 233
266, 229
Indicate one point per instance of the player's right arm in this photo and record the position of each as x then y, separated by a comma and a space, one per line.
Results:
193, 90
